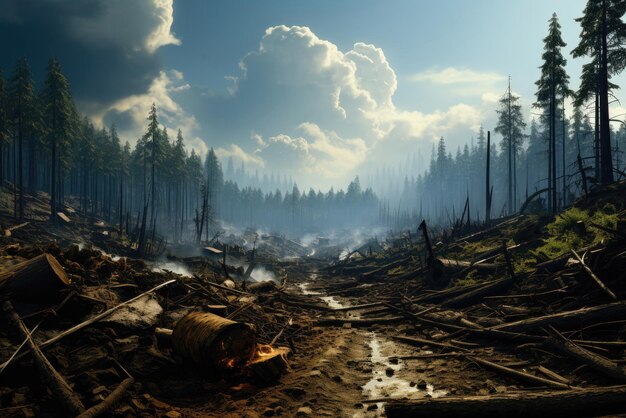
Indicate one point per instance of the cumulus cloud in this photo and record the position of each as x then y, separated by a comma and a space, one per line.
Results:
235, 151
299, 106
460, 81
452, 75
129, 114
318, 113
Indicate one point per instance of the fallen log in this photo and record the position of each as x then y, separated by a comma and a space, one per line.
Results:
476, 295
552, 375
595, 361
519, 374
36, 280
574, 403
568, 318
494, 228
8, 231
593, 276
57, 384
462, 265
438, 296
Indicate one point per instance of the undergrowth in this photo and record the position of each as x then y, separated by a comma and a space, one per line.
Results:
573, 229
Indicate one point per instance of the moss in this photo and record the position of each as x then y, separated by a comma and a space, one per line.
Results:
472, 249
470, 279
573, 229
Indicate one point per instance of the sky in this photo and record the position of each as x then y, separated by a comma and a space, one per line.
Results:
318, 90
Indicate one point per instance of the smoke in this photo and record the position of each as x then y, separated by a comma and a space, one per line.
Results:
173, 266
261, 274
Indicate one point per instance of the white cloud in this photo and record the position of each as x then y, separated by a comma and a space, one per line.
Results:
306, 109
452, 75
161, 35
171, 114
324, 111
236, 151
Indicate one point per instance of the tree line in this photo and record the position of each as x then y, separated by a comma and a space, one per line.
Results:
558, 157
155, 188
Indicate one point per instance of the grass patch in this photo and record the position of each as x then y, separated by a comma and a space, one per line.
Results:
572, 229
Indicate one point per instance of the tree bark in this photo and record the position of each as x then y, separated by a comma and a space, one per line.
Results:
571, 403
53, 379
36, 280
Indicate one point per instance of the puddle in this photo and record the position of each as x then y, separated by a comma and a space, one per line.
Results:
381, 385
304, 287
333, 302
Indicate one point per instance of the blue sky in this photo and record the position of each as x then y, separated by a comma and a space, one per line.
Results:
318, 90
483, 35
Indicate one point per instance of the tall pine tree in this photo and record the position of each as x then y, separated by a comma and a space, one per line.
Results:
602, 38
4, 124
22, 100
511, 126
58, 115
551, 87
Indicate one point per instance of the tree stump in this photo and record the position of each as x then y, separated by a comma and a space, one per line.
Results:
36, 280
215, 343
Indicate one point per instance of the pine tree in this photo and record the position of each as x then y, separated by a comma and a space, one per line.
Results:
58, 117
214, 181
152, 135
4, 124
511, 126
552, 83
602, 38
22, 98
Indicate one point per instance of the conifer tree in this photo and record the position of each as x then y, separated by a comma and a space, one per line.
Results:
552, 86
57, 102
22, 99
511, 126
4, 124
603, 39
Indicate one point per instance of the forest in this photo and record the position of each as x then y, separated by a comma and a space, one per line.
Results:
142, 277
157, 185
47, 145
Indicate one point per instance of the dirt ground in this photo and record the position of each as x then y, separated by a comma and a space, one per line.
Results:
345, 371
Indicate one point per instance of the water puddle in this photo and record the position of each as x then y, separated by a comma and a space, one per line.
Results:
333, 302
385, 382
304, 288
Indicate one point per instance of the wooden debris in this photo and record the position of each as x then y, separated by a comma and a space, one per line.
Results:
108, 402
519, 374
595, 278
36, 280
57, 384
213, 342
574, 403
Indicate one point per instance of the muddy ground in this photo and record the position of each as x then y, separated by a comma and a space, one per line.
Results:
344, 371
520, 314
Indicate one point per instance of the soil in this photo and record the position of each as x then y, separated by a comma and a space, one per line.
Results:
350, 372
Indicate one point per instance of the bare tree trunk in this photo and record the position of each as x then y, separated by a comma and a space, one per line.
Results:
606, 162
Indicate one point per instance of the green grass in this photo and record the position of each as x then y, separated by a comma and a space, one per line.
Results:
572, 229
